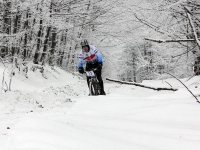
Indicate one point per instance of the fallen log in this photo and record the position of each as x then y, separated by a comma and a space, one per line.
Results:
141, 85
169, 40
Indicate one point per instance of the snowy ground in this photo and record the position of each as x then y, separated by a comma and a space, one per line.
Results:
57, 114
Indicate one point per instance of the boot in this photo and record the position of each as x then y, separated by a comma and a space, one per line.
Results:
103, 92
102, 89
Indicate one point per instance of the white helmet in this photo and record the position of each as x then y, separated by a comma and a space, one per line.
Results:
84, 43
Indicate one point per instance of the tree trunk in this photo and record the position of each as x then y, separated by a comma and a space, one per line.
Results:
53, 46
26, 27
7, 17
6, 24
46, 41
39, 41
17, 21
45, 44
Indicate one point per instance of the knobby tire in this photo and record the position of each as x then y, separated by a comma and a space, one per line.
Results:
94, 88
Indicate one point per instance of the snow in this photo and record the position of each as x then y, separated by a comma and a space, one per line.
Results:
57, 114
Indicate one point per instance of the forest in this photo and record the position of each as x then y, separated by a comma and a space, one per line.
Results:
140, 39
135, 86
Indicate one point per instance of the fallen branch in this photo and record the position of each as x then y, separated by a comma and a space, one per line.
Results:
140, 85
170, 41
184, 85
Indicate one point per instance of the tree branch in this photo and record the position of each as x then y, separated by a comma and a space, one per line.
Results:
140, 85
184, 86
168, 41
184, 52
192, 26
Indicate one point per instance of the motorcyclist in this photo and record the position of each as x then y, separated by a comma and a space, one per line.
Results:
93, 59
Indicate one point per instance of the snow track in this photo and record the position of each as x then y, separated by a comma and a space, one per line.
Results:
126, 118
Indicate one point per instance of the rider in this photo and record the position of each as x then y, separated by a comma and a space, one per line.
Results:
93, 59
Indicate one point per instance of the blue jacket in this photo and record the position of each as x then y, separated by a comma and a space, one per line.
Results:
91, 57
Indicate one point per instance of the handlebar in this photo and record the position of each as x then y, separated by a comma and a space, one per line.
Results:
94, 69
91, 73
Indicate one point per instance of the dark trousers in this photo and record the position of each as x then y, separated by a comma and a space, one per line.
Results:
99, 78
98, 74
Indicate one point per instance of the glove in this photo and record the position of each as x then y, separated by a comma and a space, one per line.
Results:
81, 70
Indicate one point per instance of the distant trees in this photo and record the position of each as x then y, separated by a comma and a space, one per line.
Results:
49, 31
173, 24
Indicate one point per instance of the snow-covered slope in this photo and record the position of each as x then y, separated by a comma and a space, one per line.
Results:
57, 114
